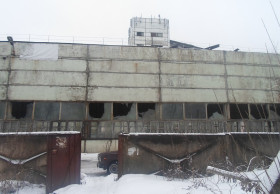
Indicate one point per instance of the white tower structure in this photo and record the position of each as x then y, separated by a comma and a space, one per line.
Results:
149, 32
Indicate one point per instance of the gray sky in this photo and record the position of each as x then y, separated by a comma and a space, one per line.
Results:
231, 23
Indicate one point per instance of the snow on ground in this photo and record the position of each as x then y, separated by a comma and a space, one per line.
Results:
96, 181
151, 184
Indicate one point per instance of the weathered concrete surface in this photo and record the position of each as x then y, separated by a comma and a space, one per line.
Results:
124, 73
144, 153
98, 146
46, 93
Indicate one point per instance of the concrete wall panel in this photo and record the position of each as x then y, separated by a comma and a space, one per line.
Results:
251, 83
124, 66
5, 49
192, 68
253, 96
97, 146
195, 81
123, 52
252, 58
123, 94
193, 95
48, 78
59, 65
47, 93
123, 80
189, 55
2, 93
4, 63
3, 77
72, 51
245, 70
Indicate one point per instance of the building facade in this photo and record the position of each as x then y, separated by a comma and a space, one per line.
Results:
149, 32
105, 90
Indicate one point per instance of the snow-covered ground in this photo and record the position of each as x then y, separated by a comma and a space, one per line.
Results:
96, 180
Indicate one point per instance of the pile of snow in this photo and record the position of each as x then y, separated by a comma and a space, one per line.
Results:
96, 181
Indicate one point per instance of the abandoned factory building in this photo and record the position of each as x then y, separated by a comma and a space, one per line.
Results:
104, 90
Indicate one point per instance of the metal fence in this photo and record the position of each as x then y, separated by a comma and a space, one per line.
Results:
111, 129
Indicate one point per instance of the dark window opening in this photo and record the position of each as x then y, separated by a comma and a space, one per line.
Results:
195, 111
140, 34
274, 111
215, 111
2, 109
239, 111
258, 111
154, 34
22, 109
96, 110
46, 111
172, 111
73, 111
121, 109
146, 110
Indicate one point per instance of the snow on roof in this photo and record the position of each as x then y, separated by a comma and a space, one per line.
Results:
194, 134
40, 133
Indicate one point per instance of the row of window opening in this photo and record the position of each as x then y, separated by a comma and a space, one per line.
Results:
135, 111
153, 34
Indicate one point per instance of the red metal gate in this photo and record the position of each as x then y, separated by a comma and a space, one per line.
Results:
64, 160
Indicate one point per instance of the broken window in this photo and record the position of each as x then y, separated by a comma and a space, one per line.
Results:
195, 111
154, 34
146, 111
73, 111
20, 110
215, 111
46, 111
2, 109
258, 111
124, 111
172, 111
274, 111
239, 111
99, 111
140, 34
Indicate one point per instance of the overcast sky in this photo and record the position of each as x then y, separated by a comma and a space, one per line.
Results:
231, 23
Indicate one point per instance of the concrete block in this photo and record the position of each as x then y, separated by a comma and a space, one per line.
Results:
59, 65
123, 80
2, 92
123, 94
189, 55
4, 63
253, 96
193, 95
48, 78
253, 70
192, 81
4, 77
192, 68
123, 52
124, 66
5, 49
251, 83
47, 93
251, 58
72, 51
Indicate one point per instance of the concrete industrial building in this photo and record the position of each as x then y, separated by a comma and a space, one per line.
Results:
104, 90
149, 32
